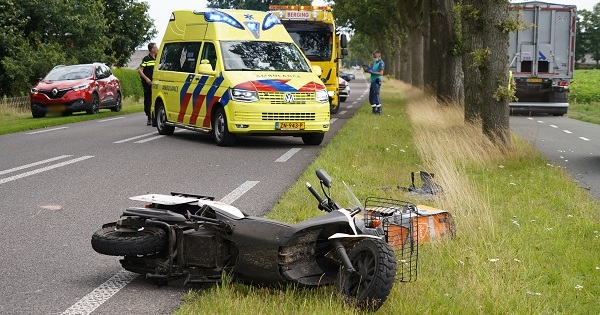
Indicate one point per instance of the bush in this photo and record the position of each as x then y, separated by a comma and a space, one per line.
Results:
131, 85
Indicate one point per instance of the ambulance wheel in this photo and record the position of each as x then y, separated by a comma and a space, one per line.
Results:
313, 138
161, 121
221, 133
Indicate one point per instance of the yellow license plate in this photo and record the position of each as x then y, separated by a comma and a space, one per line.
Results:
56, 108
289, 125
534, 80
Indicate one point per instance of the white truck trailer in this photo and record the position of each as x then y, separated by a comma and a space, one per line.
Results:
542, 57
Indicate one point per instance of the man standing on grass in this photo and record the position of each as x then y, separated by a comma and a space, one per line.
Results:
145, 70
376, 72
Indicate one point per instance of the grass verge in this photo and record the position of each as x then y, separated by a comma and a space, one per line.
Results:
13, 120
527, 236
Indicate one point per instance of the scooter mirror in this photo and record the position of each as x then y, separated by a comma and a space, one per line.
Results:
324, 177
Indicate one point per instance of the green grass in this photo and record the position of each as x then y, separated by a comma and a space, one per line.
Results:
527, 236
13, 120
584, 98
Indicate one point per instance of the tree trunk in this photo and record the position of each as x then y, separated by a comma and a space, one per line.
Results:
472, 40
495, 110
417, 56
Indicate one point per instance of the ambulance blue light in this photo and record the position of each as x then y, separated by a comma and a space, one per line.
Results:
270, 21
217, 16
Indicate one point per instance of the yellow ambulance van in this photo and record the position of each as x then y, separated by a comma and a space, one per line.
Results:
232, 72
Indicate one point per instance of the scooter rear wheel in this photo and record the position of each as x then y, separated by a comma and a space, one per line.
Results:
148, 241
375, 265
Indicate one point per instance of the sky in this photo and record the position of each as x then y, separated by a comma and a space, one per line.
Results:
160, 10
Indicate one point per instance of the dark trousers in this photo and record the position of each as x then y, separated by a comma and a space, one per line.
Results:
374, 92
147, 98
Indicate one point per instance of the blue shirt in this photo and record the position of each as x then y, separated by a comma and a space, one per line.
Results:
377, 66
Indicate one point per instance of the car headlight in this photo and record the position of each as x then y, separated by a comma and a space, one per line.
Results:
244, 95
322, 96
34, 91
80, 87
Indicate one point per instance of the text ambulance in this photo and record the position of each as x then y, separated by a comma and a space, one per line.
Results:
229, 72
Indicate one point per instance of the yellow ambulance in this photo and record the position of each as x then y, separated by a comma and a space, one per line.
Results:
232, 72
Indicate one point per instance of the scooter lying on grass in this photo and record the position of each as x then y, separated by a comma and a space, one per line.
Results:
197, 238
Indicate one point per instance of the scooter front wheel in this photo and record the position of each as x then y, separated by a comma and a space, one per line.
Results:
148, 241
375, 265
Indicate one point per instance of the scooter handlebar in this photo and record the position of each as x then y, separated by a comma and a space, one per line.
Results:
322, 203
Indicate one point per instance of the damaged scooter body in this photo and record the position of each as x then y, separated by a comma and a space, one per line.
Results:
278, 254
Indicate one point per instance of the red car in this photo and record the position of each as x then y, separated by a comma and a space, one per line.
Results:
76, 88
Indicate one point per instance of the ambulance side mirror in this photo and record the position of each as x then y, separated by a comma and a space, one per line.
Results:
317, 70
205, 67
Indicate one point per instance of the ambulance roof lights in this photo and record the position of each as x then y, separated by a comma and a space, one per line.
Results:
218, 16
300, 7
270, 21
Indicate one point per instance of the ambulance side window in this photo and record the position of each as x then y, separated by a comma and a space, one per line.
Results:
180, 57
209, 52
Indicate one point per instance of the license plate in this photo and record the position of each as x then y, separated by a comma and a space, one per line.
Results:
534, 80
56, 108
289, 125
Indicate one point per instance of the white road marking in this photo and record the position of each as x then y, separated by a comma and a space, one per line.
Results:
554, 126
136, 137
567, 131
102, 293
288, 155
540, 121
149, 139
45, 130
109, 119
33, 164
584, 138
117, 282
238, 192
342, 112
43, 169
332, 120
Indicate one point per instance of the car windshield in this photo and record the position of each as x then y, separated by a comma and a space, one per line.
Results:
69, 73
263, 56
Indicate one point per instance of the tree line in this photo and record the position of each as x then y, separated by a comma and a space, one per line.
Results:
38, 35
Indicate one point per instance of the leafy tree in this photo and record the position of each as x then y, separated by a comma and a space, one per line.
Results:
588, 33
34, 37
129, 25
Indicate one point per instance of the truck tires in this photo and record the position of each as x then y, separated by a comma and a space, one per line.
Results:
370, 285
147, 241
221, 132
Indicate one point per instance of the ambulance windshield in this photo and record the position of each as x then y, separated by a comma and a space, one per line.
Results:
263, 56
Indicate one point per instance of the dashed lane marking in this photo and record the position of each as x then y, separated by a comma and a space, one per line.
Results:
288, 155
149, 139
45, 130
136, 137
33, 164
109, 119
43, 169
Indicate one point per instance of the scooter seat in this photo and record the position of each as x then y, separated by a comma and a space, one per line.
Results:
154, 213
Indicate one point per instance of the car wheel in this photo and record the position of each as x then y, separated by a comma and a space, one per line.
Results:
38, 114
95, 105
118, 105
221, 132
147, 241
161, 121
370, 285
313, 138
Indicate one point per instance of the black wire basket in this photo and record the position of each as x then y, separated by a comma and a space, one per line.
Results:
399, 223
